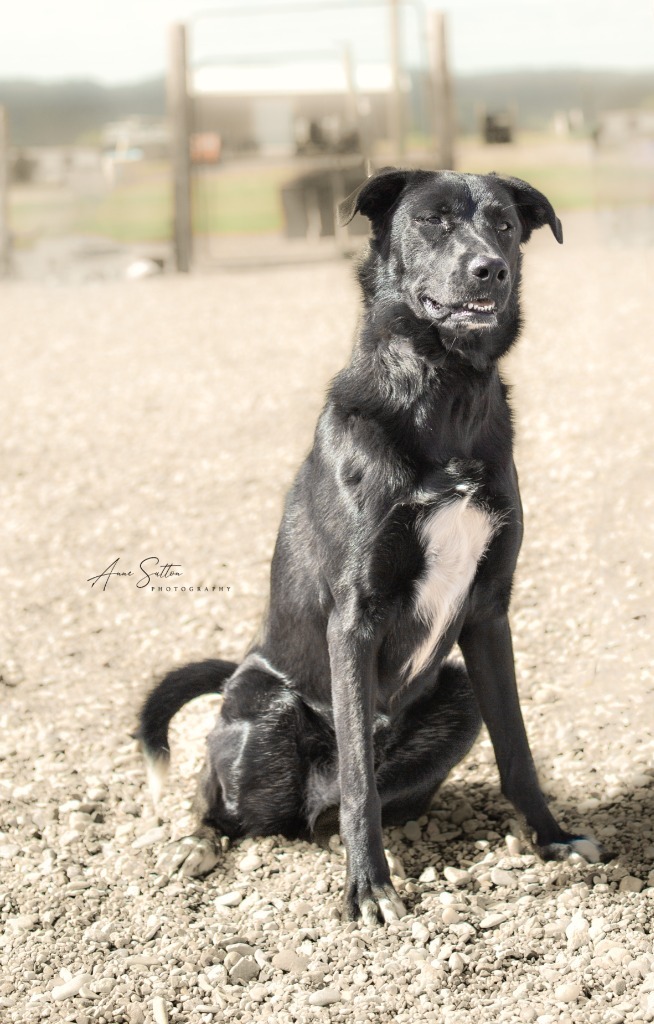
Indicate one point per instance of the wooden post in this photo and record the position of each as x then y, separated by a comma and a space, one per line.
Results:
396, 111
441, 88
5, 256
179, 114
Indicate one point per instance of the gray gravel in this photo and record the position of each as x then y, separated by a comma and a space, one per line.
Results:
165, 419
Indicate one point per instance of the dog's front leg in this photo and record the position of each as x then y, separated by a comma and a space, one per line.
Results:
368, 889
488, 653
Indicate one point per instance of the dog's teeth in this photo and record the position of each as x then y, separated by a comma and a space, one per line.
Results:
480, 307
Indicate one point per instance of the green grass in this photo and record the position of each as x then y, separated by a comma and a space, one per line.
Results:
244, 203
246, 200
139, 209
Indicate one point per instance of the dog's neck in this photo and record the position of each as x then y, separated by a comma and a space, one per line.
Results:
436, 404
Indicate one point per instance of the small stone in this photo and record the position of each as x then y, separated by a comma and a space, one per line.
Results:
102, 987
501, 877
250, 862
462, 813
258, 993
152, 926
78, 885
450, 916
464, 931
159, 1011
430, 874
263, 914
492, 920
97, 794
456, 875
241, 948
8, 851
216, 973
24, 922
432, 973
641, 779
152, 837
324, 997
229, 899
631, 884
513, 845
577, 932
420, 933
79, 820
300, 908
69, 837
290, 961
71, 987
232, 959
412, 831
567, 993
456, 962
245, 970
448, 899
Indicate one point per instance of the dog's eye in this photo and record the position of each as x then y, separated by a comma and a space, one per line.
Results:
429, 218
505, 226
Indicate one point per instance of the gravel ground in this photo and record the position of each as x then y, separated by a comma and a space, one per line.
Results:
164, 419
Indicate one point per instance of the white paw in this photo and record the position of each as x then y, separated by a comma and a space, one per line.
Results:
588, 849
585, 847
191, 856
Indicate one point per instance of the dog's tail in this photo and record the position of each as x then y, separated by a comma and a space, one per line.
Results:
175, 690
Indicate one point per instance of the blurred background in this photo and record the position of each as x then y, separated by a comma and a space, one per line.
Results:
168, 135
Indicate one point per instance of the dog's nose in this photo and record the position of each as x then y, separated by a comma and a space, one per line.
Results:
489, 268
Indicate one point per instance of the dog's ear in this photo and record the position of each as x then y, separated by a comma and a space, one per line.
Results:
533, 208
375, 197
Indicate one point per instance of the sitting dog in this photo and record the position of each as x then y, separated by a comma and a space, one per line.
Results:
399, 540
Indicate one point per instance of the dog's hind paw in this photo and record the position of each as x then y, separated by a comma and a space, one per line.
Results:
584, 846
191, 856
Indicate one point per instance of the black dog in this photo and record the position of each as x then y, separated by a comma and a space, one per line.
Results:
399, 539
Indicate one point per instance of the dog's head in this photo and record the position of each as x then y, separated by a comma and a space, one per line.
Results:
447, 245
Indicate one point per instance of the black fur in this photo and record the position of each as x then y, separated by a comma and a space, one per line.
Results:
322, 715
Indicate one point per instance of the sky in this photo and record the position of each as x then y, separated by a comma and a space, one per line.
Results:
114, 41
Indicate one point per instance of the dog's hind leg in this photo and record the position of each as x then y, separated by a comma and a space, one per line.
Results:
427, 741
254, 780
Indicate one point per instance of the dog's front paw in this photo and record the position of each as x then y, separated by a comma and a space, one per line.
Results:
191, 856
588, 848
372, 903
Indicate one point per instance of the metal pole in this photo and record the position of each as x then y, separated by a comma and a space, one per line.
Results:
4, 194
442, 88
396, 112
179, 114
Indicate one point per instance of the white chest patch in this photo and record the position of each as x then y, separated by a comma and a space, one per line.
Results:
455, 538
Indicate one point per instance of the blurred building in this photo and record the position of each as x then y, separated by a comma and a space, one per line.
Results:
617, 127
285, 108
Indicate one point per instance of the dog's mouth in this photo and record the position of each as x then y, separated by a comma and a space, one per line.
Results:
477, 311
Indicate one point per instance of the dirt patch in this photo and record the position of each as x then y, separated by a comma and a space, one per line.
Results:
165, 420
